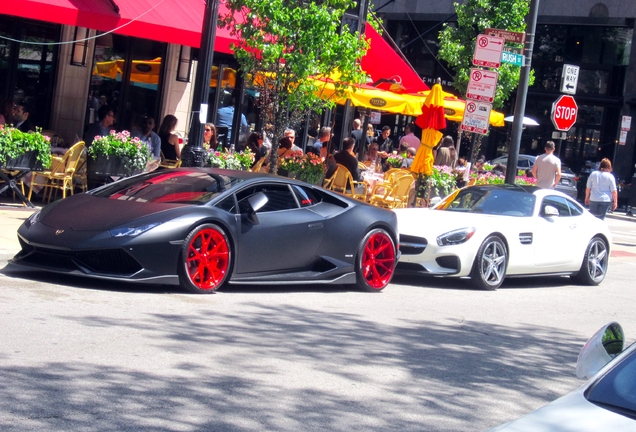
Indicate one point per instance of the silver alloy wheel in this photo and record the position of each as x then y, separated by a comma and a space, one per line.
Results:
597, 259
489, 269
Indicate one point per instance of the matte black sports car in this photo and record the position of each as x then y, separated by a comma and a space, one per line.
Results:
201, 228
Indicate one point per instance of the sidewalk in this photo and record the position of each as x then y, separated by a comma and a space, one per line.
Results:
621, 215
11, 217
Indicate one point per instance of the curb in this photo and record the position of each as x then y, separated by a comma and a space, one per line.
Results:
623, 217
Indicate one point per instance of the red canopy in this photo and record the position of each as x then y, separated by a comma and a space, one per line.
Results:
382, 62
180, 22
173, 21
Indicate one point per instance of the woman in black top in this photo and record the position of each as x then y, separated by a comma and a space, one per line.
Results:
169, 141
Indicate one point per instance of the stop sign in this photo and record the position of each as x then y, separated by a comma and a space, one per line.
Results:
564, 111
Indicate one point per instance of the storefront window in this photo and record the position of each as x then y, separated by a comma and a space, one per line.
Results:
583, 44
27, 69
127, 76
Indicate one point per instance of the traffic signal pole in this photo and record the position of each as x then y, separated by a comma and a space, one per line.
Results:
522, 93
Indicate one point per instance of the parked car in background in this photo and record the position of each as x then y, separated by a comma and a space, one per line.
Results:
607, 402
569, 179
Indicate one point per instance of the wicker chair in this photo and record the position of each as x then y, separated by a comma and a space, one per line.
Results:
80, 177
342, 182
259, 164
389, 178
169, 163
396, 194
62, 172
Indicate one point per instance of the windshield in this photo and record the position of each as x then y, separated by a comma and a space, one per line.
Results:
496, 201
184, 187
616, 391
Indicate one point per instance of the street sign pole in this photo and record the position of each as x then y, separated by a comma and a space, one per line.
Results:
522, 94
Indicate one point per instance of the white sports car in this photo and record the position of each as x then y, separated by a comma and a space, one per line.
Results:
490, 232
607, 402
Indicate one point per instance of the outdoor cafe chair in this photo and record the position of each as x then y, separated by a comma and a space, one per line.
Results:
61, 174
80, 177
396, 194
169, 163
389, 178
342, 182
258, 165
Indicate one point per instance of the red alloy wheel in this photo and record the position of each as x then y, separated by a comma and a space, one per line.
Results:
378, 260
208, 259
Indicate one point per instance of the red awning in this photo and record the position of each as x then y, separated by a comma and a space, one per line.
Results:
172, 21
382, 62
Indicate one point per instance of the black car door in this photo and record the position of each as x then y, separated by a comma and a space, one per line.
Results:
286, 237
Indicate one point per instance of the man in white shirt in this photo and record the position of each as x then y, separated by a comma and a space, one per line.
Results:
547, 168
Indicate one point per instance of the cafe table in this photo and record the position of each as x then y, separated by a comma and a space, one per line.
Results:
372, 179
12, 179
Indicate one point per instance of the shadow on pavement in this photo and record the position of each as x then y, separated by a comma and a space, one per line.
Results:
288, 368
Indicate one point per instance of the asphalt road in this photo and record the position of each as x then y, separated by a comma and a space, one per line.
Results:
423, 355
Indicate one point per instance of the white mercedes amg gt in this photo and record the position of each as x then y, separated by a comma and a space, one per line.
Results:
489, 232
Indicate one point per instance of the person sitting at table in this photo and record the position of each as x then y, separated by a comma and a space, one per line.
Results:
347, 158
169, 140
284, 150
255, 145
408, 160
6, 111
149, 137
21, 112
209, 137
102, 127
375, 156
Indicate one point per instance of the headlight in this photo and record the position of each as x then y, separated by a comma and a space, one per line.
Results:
34, 218
132, 231
456, 237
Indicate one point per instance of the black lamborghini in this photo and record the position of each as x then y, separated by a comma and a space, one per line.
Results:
202, 228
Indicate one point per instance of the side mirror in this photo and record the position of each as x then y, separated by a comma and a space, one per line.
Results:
255, 203
600, 349
550, 211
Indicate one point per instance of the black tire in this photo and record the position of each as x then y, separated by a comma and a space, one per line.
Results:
206, 260
595, 263
375, 261
491, 261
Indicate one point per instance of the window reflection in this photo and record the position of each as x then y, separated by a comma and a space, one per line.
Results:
131, 90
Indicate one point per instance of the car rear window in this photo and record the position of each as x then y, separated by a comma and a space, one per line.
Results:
169, 186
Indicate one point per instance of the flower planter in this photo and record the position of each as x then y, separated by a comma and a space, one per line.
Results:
111, 166
27, 162
310, 179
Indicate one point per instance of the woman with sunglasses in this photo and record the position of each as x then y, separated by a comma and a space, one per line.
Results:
209, 137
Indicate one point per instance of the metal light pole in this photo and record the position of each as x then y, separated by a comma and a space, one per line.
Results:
522, 93
193, 154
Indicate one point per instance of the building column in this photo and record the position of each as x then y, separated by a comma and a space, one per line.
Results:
624, 156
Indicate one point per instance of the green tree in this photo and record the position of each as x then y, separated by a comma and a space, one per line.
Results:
457, 42
282, 44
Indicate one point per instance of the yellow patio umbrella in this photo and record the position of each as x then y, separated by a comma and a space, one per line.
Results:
397, 103
432, 119
370, 97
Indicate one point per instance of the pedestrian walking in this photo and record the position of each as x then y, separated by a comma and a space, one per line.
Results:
600, 193
547, 168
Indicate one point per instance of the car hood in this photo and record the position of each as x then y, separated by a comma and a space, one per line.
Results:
86, 212
419, 222
571, 413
